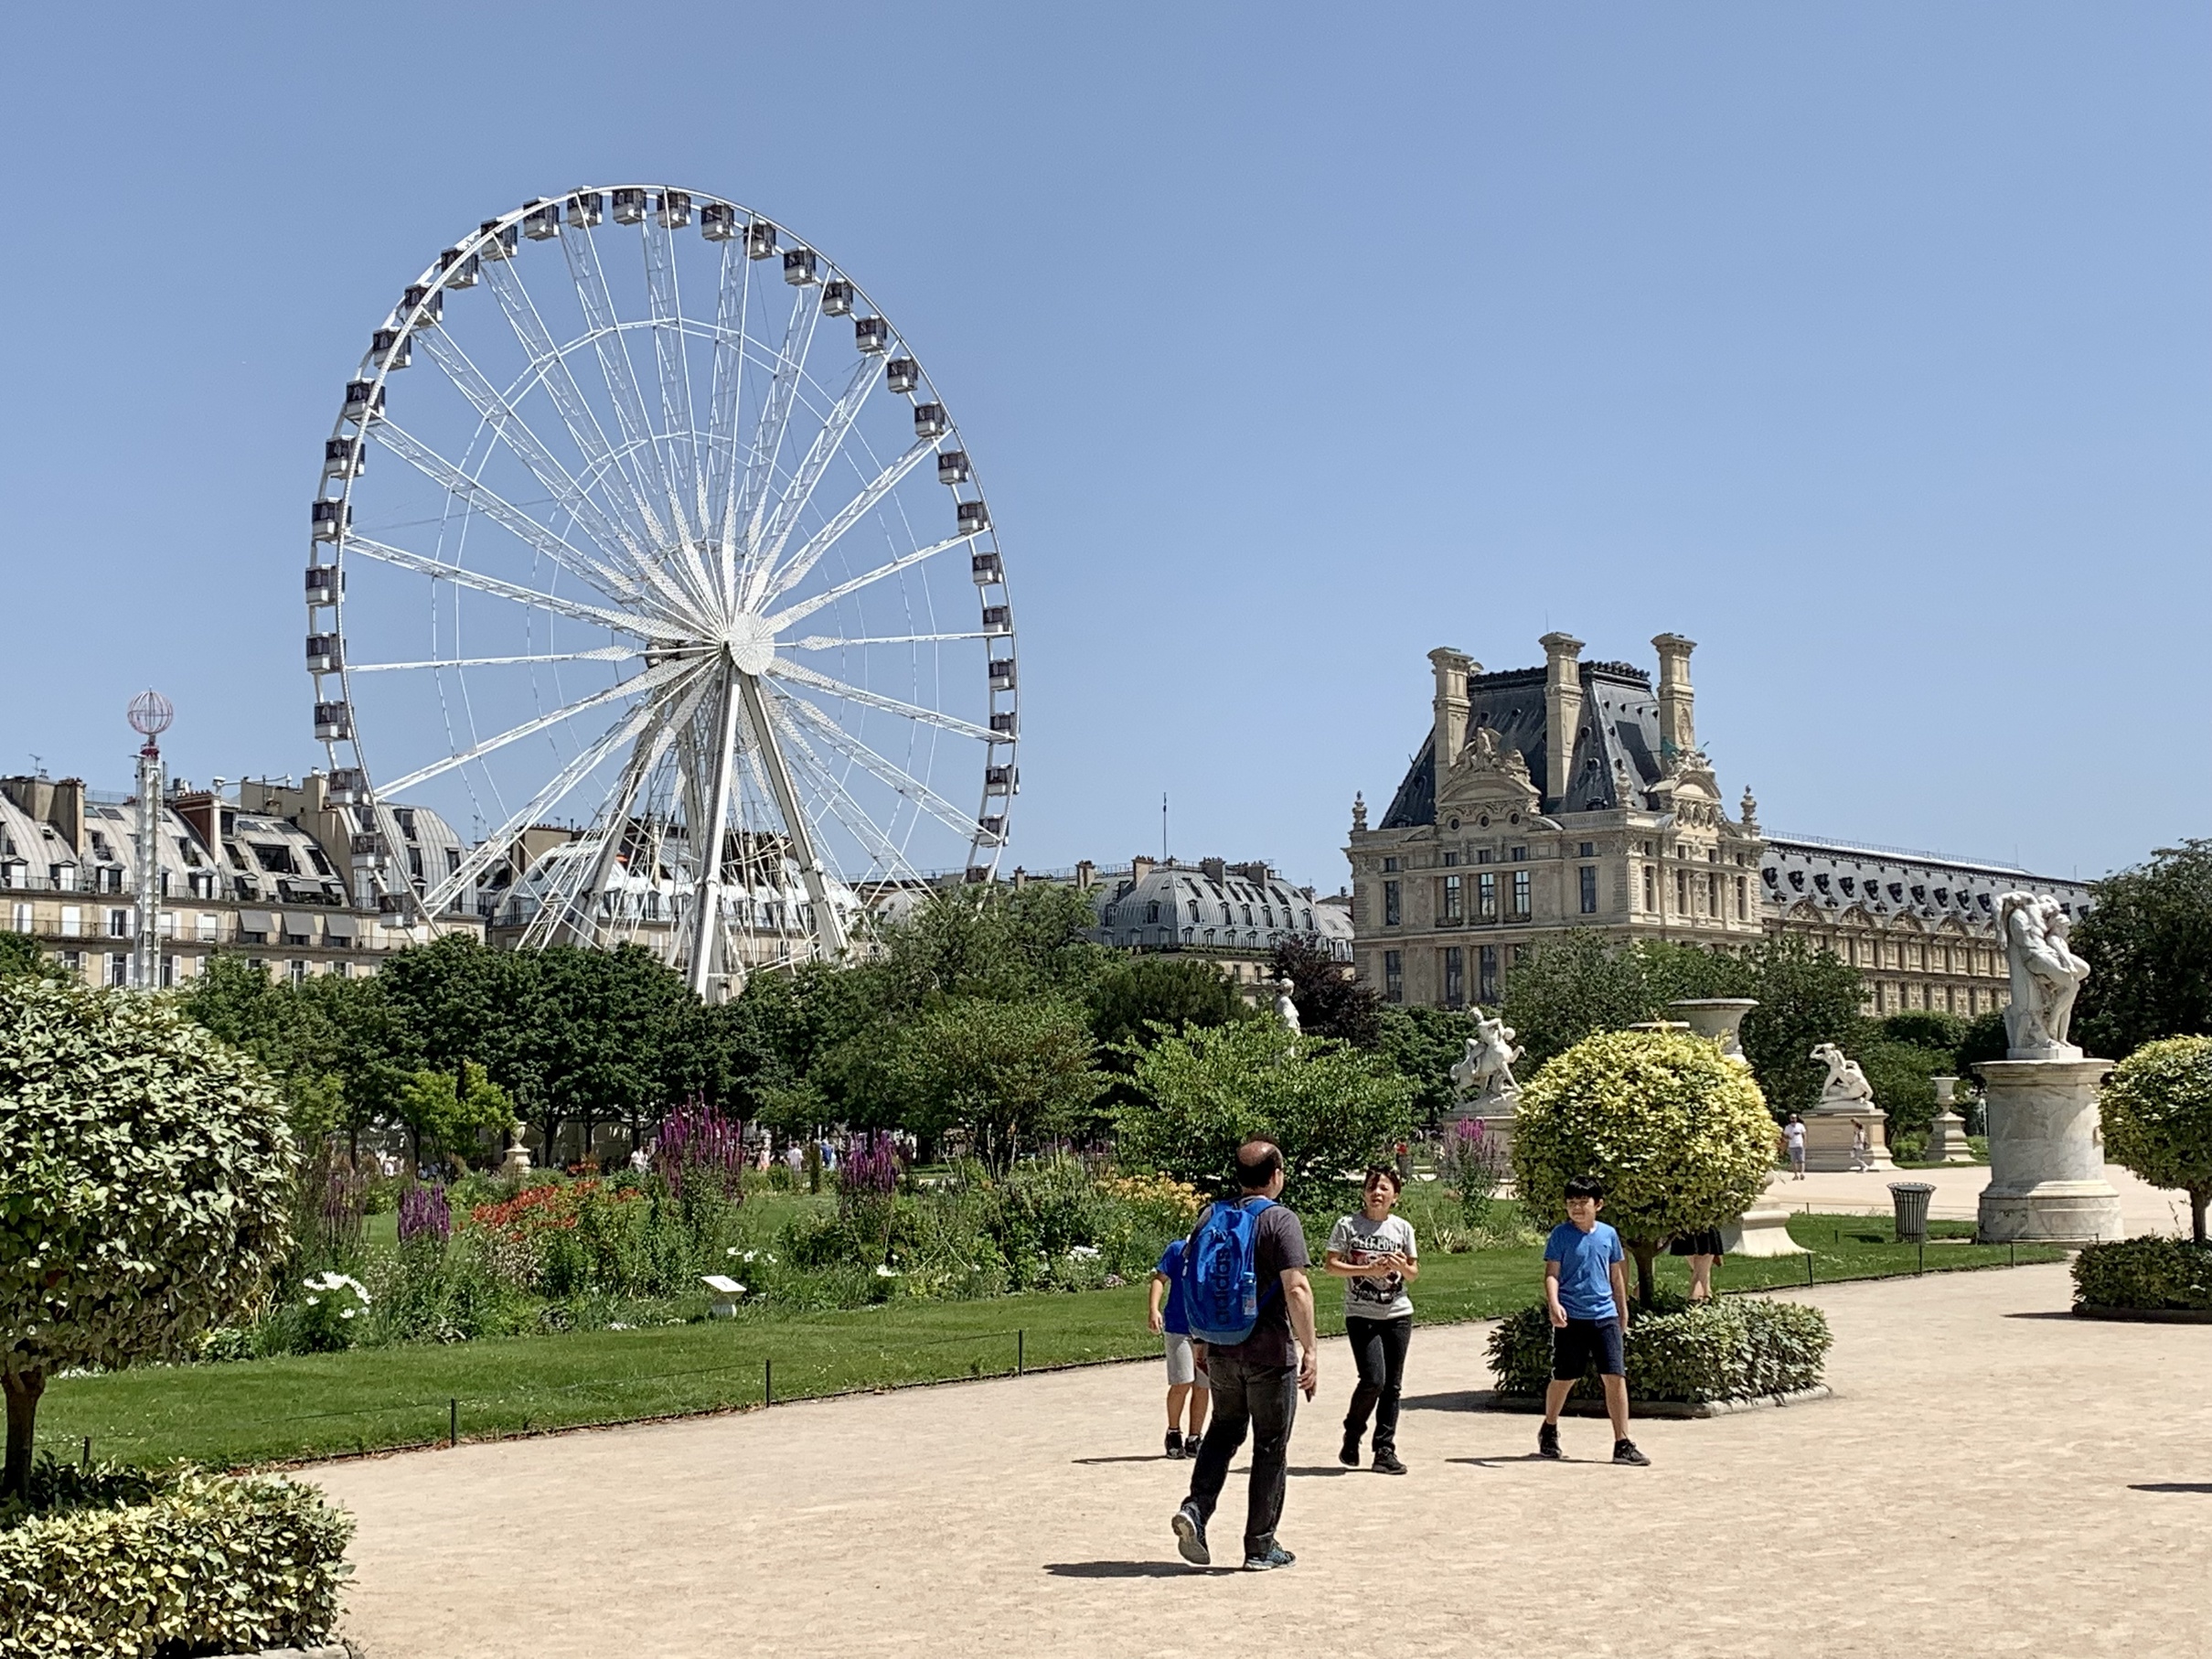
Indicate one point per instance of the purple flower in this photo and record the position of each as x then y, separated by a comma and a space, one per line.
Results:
698, 1142
871, 1168
424, 1213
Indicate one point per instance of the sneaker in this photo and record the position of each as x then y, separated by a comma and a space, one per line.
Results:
1624, 1451
1386, 1462
1277, 1556
1190, 1536
1348, 1454
1174, 1444
1190, 1443
1547, 1440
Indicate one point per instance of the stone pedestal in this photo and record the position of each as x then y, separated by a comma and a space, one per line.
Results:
1947, 1141
1829, 1136
2047, 1181
1763, 1230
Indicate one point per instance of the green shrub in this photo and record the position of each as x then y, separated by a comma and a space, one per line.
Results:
119, 1568
2157, 1117
2151, 1272
1738, 1349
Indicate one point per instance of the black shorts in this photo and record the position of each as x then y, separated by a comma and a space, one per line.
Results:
1581, 1343
1704, 1243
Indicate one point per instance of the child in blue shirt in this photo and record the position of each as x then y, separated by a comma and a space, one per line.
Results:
1174, 1325
1587, 1292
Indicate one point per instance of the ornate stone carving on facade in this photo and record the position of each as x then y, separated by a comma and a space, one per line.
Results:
1748, 810
2047, 977
1487, 772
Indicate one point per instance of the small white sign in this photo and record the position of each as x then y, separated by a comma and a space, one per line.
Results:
723, 1284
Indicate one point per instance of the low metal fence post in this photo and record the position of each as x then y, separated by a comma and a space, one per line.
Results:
1019, 1357
88, 1451
767, 1381
452, 1422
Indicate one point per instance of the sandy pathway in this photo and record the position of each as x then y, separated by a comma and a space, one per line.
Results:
1994, 1478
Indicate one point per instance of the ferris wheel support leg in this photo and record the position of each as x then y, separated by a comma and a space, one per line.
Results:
706, 921
828, 926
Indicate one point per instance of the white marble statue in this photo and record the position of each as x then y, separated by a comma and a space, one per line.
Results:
1285, 1008
2047, 977
1845, 1084
1486, 1071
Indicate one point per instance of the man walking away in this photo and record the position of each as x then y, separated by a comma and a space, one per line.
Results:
1247, 1296
1169, 1322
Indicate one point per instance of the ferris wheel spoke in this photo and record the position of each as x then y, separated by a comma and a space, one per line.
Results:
824, 642
581, 765
421, 564
775, 415
560, 382
813, 872
618, 585
886, 772
678, 432
819, 455
653, 482
798, 674
844, 518
807, 606
830, 789
732, 301
611, 653
659, 675
613, 536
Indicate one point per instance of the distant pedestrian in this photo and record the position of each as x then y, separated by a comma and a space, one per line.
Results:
1373, 1252
1586, 1293
1703, 1249
1186, 1397
1794, 1142
1247, 1297
1861, 1147
640, 1160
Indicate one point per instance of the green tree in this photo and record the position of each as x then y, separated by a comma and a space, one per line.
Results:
20, 953
2148, 943
1681, 1137
993, 940
2158, 1115
449, 1114
1012, 1075
1672, 971
1421, 1044
1331, 1109
1331, 1002
1806, 997
145, 1176
1135, 1000
1567, 989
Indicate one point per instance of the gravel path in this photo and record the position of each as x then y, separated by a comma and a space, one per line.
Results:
1992, 1477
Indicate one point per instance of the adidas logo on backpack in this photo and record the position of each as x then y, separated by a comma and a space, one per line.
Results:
1221, 1288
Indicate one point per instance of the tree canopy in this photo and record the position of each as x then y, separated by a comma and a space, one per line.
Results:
2156, 1110
144, 1186
2148, 942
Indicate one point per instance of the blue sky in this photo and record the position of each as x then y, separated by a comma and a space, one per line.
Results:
1866, 344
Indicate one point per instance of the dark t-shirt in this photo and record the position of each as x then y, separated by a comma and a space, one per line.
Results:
1279, 1242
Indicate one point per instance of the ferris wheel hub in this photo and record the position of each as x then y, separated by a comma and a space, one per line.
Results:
749, 638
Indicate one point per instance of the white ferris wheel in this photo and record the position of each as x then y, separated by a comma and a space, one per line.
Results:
663, 558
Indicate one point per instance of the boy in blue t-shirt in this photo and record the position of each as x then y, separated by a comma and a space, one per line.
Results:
1173, 1324
1586, 1293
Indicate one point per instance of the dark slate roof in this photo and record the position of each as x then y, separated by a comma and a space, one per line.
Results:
1618, 734
1891, 881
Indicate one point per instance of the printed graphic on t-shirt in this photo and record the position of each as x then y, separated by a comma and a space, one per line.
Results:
1361, 1241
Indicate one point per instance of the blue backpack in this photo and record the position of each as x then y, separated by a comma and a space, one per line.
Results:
1221, 1288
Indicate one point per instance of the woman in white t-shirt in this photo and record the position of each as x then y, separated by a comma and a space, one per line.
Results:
1373, 1252
1794, 1142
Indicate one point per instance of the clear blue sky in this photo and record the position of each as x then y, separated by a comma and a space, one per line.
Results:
1866, 344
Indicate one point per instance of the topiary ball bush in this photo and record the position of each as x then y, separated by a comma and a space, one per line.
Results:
1680, 1136
2144, 1273
1740, 1349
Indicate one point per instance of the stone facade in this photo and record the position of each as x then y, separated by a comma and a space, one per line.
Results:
1577, 796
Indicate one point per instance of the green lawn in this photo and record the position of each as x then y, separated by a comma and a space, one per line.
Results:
273, 1410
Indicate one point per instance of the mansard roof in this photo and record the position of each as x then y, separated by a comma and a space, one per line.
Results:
1888, 883
1616, 743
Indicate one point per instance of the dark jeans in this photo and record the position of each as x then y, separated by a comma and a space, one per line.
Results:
1378, 1348
1265, 1398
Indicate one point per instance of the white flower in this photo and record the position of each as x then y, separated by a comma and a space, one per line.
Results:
346, 1312
884, 1270
314, 1302
1084, 1252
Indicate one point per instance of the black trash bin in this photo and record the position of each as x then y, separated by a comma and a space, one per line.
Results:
1910, 1198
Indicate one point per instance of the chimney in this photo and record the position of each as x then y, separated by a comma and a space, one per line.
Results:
66, 811
1677, 722
1141, 868
1086, 873
1215, 870
1562, 714
1453, 669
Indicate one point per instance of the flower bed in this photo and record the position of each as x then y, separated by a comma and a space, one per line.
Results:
115, 1564
1739, 1348
2150, 1275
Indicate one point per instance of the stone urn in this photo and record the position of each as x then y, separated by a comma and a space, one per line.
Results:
1720, 1018
1947, 1135
517, 1159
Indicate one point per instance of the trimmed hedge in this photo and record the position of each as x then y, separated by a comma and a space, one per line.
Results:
2151, 1272
1742, 1348
121, 1566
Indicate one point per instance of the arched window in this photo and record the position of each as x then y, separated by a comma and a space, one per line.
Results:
1151, 913
1225, 917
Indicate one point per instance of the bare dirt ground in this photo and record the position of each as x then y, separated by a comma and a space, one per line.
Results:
2143, 1208
1992, 1478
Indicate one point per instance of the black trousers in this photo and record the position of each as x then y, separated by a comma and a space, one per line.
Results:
1263, 1398
1378, 1349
